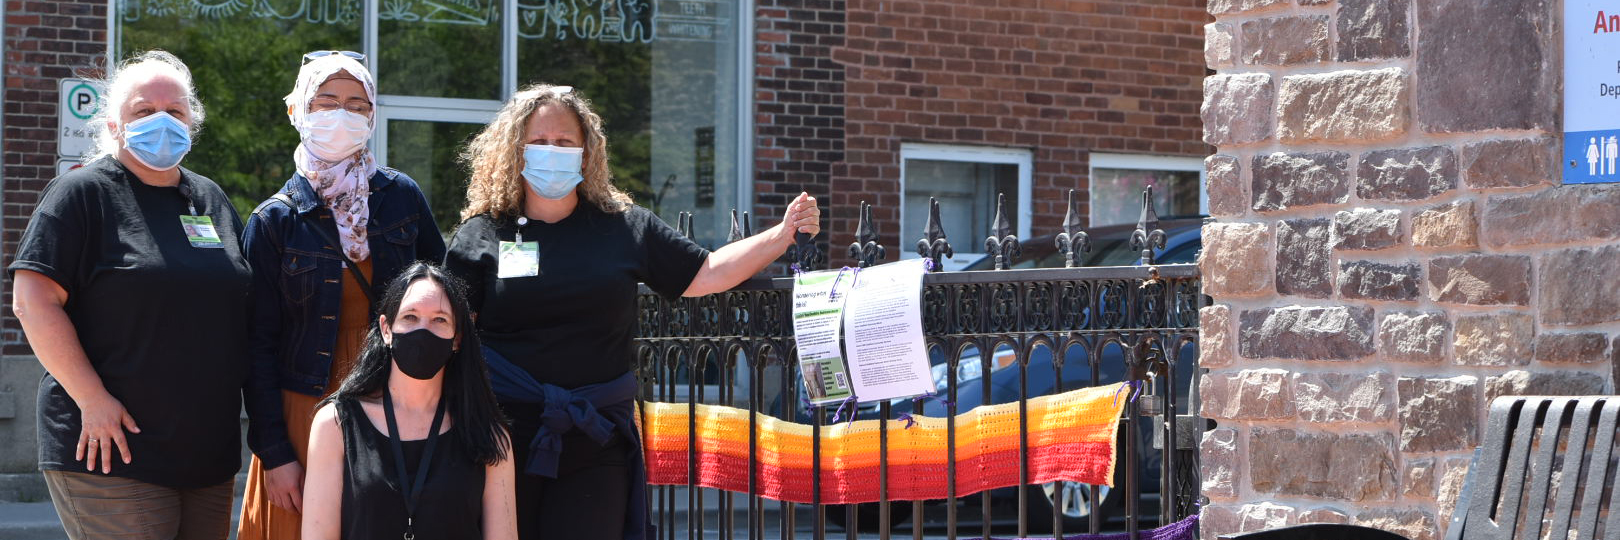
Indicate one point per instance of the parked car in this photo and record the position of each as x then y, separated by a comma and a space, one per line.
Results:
1111, 247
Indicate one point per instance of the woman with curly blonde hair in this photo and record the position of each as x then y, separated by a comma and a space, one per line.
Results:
553, 284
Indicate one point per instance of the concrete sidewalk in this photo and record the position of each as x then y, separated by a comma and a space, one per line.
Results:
29, 521
38, 521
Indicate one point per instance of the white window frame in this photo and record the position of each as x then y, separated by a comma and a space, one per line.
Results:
1149, 163
968, 249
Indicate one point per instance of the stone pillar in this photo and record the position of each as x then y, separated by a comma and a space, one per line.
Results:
1391, 250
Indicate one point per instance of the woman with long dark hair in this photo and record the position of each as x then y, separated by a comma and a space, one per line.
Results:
413, 442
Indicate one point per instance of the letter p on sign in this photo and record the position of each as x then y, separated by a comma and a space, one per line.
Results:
79, 101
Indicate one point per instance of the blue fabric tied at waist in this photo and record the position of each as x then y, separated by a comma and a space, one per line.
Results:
597, 410
565, 410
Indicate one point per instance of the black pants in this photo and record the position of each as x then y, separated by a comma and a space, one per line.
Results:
589, 498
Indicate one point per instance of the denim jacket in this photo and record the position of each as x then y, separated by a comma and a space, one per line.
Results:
297, 284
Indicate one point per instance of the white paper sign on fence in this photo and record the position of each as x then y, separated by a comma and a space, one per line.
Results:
883, 331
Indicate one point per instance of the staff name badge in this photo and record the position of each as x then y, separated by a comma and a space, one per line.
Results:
518, 259
200, 232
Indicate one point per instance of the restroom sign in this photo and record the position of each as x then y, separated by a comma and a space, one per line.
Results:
79, 101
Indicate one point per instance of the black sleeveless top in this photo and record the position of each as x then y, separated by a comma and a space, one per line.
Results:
374, 505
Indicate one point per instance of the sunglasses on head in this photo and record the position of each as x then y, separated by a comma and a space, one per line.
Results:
322, 54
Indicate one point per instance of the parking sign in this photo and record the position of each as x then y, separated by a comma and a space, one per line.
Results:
79, 101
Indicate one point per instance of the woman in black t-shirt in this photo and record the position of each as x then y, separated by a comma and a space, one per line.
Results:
132, 290
552, 252
412, 444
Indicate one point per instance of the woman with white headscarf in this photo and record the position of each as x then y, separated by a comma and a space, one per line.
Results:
320, 249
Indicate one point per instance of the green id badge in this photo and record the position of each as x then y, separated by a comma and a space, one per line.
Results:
519, 259
200, 232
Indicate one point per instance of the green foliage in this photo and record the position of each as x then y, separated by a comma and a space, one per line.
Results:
242, 67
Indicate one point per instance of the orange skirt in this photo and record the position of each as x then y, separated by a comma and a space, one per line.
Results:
262, 520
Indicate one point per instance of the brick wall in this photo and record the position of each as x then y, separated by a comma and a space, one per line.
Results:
1393, 249
1062, 79
44, 42
799, 135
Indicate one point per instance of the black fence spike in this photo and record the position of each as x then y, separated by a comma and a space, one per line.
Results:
736, 229
1002, 242
1148, 236
747, 225
805, 253
1074, 239
866, 250
683, 223
933, 244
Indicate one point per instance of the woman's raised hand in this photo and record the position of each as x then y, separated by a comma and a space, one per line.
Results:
803, 215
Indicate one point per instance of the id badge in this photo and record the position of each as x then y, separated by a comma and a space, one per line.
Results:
200, 232
519, 259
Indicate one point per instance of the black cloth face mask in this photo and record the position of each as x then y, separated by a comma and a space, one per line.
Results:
420, 353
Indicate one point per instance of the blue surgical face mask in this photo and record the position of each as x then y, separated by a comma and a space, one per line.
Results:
552, 170
158, 141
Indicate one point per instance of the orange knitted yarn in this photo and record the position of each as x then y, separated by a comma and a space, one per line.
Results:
1071, 437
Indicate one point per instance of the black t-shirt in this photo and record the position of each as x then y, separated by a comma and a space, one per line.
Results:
163, 323
571, 325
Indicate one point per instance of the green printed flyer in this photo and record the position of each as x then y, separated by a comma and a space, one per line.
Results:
817, 324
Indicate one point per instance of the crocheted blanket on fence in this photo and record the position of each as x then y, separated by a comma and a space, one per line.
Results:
1071, 437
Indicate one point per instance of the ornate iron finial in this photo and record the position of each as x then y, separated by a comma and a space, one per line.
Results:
1073, 240
683, 223
739, 227
1002, 242
1148, 236
933, 244
805, 253
866, 250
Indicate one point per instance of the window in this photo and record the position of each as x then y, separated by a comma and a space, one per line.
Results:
669, 79
666, 79
243, 60
965, 180
1117, 181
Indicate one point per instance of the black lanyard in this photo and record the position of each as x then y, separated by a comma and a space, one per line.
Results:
411, 490
185, 192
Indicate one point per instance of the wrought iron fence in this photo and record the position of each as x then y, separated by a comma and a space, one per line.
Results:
1131, 323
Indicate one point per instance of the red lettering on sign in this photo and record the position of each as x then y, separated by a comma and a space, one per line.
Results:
1605, 24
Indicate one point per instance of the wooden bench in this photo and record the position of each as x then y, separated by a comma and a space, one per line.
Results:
1546, 469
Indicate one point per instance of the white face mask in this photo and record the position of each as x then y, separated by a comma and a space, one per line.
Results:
334, 135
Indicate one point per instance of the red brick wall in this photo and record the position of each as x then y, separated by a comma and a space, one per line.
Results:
45, 41
799, 112
1060, 78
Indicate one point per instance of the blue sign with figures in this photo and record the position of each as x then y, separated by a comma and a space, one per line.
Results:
1591, 91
